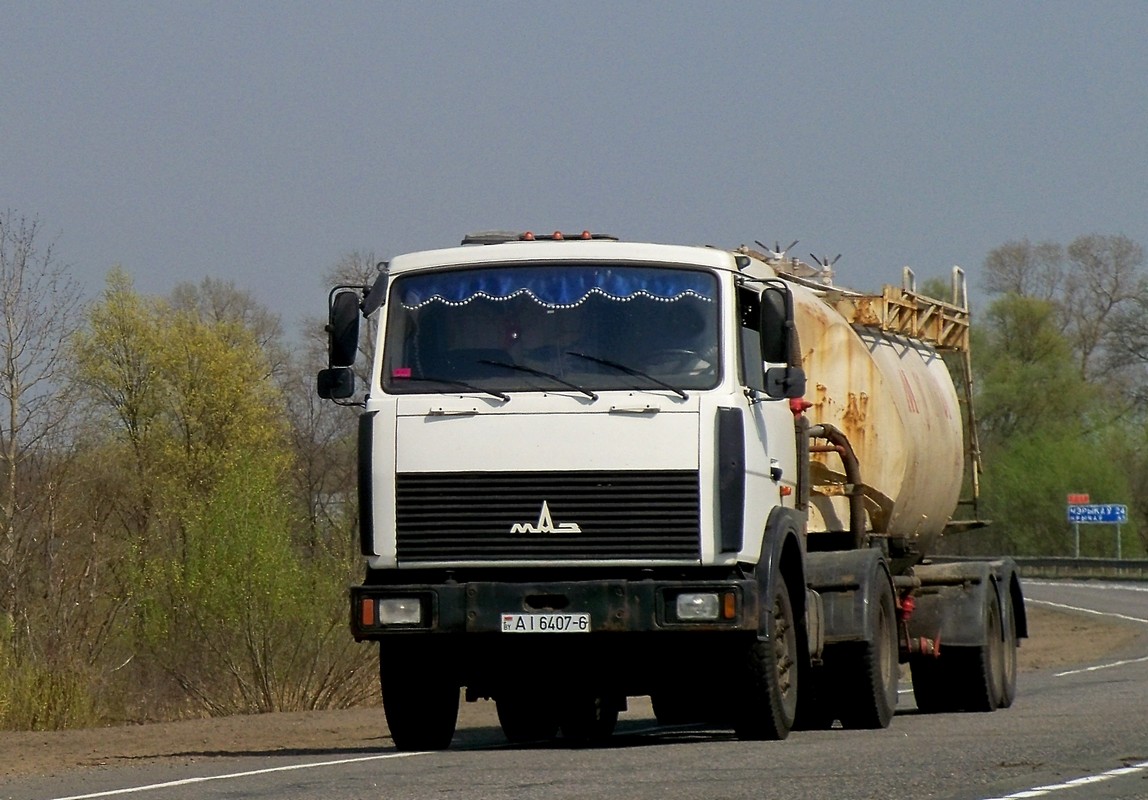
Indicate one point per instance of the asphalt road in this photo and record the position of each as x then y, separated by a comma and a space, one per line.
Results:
1073, 734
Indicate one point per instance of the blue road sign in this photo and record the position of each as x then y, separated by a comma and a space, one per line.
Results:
1098, 513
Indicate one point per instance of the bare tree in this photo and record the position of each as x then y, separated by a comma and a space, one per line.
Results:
1126, 349
39, 301
1097, 286
357, 269
220, 301
1104, 283
323, 432
1026, 269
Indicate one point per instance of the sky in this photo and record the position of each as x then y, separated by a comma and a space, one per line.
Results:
261, 143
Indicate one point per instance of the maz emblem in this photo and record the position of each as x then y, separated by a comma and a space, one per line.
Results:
545, 524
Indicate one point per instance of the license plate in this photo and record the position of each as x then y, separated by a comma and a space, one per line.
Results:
545, 623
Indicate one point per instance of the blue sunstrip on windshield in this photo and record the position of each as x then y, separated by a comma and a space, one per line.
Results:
556, 287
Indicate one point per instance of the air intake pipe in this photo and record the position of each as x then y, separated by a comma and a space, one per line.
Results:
839, 443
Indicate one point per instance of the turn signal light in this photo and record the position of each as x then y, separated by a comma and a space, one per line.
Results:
729, 606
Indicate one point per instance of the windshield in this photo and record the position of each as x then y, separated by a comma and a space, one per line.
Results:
584, 327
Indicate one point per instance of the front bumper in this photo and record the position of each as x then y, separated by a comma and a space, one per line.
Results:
613, 605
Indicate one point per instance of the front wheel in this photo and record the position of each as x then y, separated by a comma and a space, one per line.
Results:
421, 705
768, 704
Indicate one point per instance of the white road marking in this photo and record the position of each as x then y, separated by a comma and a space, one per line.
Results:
1087, 780
1099, 614
1087, 610
1125, 587
191, 781
1101, 666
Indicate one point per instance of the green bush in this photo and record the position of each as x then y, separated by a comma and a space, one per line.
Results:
239, 618
1025, 488
38, 696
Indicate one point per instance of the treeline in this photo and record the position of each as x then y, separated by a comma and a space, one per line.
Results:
177, 509
1060, 361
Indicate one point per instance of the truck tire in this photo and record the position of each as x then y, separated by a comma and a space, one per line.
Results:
817, 702
589, 719
980, 669
869, 671
420, 703
1008, 669
979, 678
768, 703
525, 717
932, 688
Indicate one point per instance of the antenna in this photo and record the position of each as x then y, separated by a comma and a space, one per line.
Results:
825, 263
825, 274
775, 253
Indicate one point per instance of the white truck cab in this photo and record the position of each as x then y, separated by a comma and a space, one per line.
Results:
584, 475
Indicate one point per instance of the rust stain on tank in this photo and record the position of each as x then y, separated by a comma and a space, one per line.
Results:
820, 401
855, 420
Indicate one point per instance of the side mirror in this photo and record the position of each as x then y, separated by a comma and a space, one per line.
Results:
336, 383
785, 382
343, 328
779, 343
776, 325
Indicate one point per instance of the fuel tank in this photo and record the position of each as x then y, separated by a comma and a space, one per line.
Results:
895, 400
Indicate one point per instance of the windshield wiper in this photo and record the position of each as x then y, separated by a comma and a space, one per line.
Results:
541, 374
463, 384
637, 373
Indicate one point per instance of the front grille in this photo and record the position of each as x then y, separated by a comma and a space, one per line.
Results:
500, 516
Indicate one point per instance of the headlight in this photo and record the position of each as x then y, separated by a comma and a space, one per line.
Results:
400, 611
697, 606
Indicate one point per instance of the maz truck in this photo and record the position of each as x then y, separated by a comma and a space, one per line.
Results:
590, 470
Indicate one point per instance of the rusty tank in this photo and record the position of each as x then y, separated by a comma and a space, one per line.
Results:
875, 374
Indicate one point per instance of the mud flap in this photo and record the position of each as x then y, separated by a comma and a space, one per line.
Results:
846, 582
951, 602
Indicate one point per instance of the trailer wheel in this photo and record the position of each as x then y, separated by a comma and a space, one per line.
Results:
525, 717
1008, 660
981, 668
869, 672
931, 686
421, 705
769, 702
589, 719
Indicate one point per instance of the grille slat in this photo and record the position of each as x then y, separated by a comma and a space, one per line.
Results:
636, 515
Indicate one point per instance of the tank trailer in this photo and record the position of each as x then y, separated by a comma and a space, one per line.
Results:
590, 470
